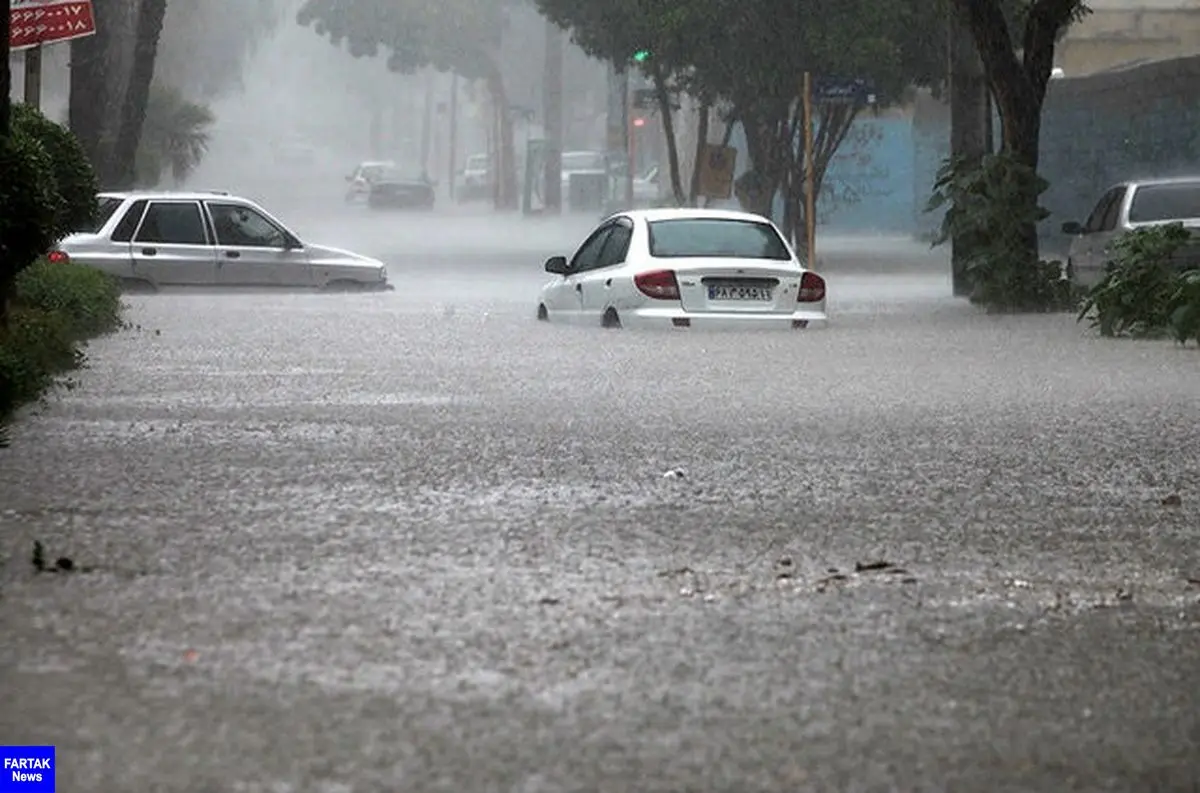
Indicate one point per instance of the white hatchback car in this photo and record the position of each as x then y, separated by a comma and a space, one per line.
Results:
684, 268
151, 239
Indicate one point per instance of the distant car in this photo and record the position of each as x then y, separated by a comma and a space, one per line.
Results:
474, 179
683, 268
150, 239
1128, 206
395, 189
593, 163
360, 181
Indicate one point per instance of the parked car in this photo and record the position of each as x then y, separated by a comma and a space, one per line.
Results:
364, 174
393, 188
683, 268
1128, 206
581, 162
152, 239
474, 179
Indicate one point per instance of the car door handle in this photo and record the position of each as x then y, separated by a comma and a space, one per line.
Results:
578, 287
233, 255
149, 251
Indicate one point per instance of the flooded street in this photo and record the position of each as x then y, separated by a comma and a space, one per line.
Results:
419, 541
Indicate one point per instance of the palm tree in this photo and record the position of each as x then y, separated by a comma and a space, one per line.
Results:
174, 137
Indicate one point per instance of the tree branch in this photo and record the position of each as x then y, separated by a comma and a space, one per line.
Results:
989, 29
1046, 18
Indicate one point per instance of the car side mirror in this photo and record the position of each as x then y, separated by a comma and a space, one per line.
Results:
1072, 228
557, 265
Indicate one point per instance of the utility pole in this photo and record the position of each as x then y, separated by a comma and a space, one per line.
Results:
552, 104
452, 166
427, 123
970, 123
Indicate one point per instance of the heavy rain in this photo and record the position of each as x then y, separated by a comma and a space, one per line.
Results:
321, 504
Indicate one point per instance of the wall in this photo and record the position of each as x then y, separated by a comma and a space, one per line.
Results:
1142, 121
1118, 33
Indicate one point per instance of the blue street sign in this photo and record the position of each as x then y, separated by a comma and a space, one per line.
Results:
832, 90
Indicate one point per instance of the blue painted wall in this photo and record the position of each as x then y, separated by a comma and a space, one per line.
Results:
871, 182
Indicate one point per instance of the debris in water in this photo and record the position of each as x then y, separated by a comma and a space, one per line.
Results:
871, 567
65, 564
674, 473
1172, 500
39, 556
549, 601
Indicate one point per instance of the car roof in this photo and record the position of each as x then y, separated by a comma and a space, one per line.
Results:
691, 213
1164, 181
376, 163
183, 195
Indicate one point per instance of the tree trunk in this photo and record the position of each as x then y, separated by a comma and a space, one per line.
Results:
705, 113
5, 71
552, 109
99, 72
663, 95
507, 195
133, 115
726, 137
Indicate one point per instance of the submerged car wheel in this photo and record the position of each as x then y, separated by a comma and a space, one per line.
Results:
610, 319
343, 285
542, 314
137, 286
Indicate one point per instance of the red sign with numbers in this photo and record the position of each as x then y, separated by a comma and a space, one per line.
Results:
37, 22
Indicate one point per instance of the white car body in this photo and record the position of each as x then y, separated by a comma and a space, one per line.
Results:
207, 239
628, 274
1128, 206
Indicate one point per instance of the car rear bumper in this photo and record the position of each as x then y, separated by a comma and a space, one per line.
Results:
678, 318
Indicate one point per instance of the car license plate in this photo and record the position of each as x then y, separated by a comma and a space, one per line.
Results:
729, 292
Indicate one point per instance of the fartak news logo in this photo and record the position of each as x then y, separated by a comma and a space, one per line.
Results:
26, 769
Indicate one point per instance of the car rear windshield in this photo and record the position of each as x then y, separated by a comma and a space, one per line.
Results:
1165, 202
735, 239
105, 207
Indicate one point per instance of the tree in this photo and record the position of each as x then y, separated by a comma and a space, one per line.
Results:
460, 36
174, 138
100, 68
1018, 81
5, 66
749, 55
133, 114
205, 46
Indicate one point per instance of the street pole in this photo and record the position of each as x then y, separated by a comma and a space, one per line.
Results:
33, 76
810, 189
552, 109
453, 164
631, 142
427, 123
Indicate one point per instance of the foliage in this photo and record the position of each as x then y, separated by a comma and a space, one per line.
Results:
1142, 293
56, 307
74, 177
460, 36
205, 46
30, 204
749, 56
992, 207
174, 137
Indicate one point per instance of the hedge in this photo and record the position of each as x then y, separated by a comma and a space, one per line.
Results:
47, 310
55, 308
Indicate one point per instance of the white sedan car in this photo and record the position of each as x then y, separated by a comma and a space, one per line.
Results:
683, 268
152, 239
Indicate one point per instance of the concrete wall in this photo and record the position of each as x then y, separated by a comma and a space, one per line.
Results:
1137, 122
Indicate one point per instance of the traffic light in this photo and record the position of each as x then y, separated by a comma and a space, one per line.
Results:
639, 122
641, 56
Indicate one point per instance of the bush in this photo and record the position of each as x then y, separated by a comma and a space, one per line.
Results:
56, 306
29, 204
88, 298
73, 173
1143, 293
988, 207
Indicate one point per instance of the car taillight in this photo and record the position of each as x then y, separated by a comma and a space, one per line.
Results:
658, 284
812, 288
58, 257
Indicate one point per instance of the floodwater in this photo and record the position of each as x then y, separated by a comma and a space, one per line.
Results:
420, 541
